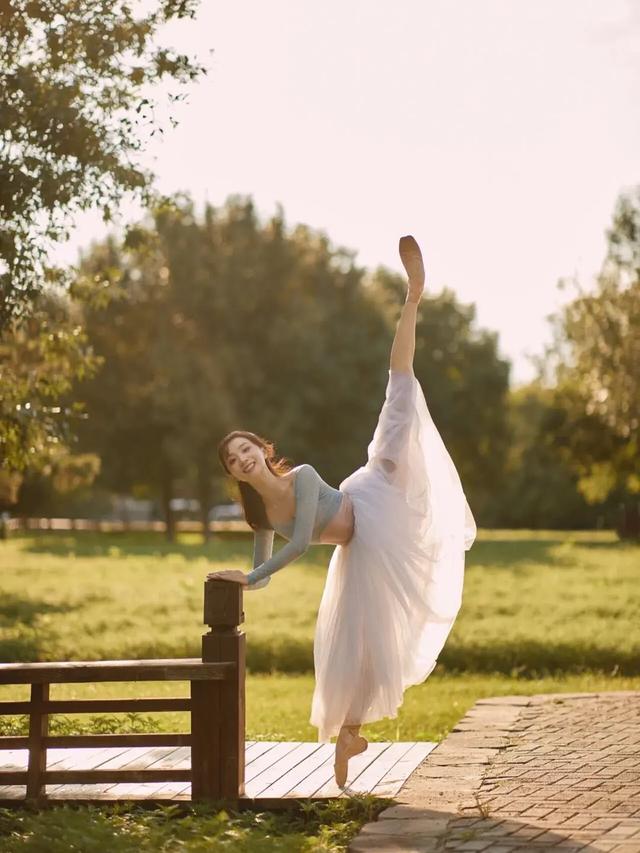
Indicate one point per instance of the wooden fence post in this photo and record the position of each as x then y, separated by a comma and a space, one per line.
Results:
38, 730
218, 716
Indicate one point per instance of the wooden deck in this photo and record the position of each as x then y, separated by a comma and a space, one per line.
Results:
278, 773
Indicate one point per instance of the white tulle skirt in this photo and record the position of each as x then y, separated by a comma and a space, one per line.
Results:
393, 592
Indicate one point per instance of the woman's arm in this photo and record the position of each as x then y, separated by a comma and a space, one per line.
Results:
307, 488
262, 551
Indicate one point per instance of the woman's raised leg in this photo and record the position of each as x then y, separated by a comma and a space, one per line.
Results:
349, 741
404, 342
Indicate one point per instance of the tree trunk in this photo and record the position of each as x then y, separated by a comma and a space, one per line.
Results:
167, 495
204, 496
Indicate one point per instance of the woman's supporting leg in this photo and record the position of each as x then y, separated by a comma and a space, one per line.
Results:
404, 342
348, 744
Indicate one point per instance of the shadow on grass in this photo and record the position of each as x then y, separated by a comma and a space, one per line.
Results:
126, 544
521, 658
14, 609
535, 659
511, 553
28, 640
505, 552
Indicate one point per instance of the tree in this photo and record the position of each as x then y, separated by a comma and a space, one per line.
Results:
595, 362
540, 488
223, 321
76, 81
41, 357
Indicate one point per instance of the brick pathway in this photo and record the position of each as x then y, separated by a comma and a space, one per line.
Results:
524, 773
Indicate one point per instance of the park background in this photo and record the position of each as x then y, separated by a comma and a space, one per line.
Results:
247, 277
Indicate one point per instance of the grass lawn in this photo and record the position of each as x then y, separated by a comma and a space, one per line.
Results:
542, 612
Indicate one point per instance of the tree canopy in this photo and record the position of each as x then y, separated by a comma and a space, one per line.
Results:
223, 321
77, 80
595, 366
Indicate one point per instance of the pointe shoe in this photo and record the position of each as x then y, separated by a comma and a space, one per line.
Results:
347, 745
411, 258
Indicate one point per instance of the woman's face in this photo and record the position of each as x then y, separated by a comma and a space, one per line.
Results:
244, 459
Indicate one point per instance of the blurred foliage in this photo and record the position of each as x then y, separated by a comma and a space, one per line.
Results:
226, 322
204, 323
540, 487
41, 357
594, 366
76, 81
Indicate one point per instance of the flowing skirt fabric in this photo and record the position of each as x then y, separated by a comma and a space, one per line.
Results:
393, 592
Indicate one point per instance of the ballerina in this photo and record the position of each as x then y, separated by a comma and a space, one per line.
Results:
401, 525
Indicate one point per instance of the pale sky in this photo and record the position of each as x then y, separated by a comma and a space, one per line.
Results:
498, 132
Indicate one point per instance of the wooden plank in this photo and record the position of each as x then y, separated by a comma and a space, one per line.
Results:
249, 745
257, 749
113, 706
76, 759
275, 771
14, 759
144, 791
88, 777
170, 791
328, 787
141, 740
13, 777
181, 759
223, 613
137, 757
14, 742
38, 728
206, 750
11, 792
279, 768
79, 793
91, 759
178, 669
267, 759
369, 777
176, 758
253, 750
295, 776
99, 793
108, 759
9, 708
392, 781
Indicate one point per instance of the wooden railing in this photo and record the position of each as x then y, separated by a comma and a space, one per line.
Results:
216, 705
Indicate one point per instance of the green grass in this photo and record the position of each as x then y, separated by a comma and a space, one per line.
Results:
175, 829
542, 612
534, 604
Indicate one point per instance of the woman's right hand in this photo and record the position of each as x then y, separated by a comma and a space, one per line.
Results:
229, 575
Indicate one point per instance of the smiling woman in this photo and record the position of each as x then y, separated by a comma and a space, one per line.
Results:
401, 524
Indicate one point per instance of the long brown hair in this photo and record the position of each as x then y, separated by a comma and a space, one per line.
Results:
252, 503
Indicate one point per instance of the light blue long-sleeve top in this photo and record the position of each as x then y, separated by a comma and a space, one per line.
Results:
316, 503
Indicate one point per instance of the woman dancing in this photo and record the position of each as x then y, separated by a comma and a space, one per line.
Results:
401, 524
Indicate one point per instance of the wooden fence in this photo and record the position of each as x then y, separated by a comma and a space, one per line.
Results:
117, 525
216, 705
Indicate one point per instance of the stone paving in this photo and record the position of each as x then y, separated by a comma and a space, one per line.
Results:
524, 773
